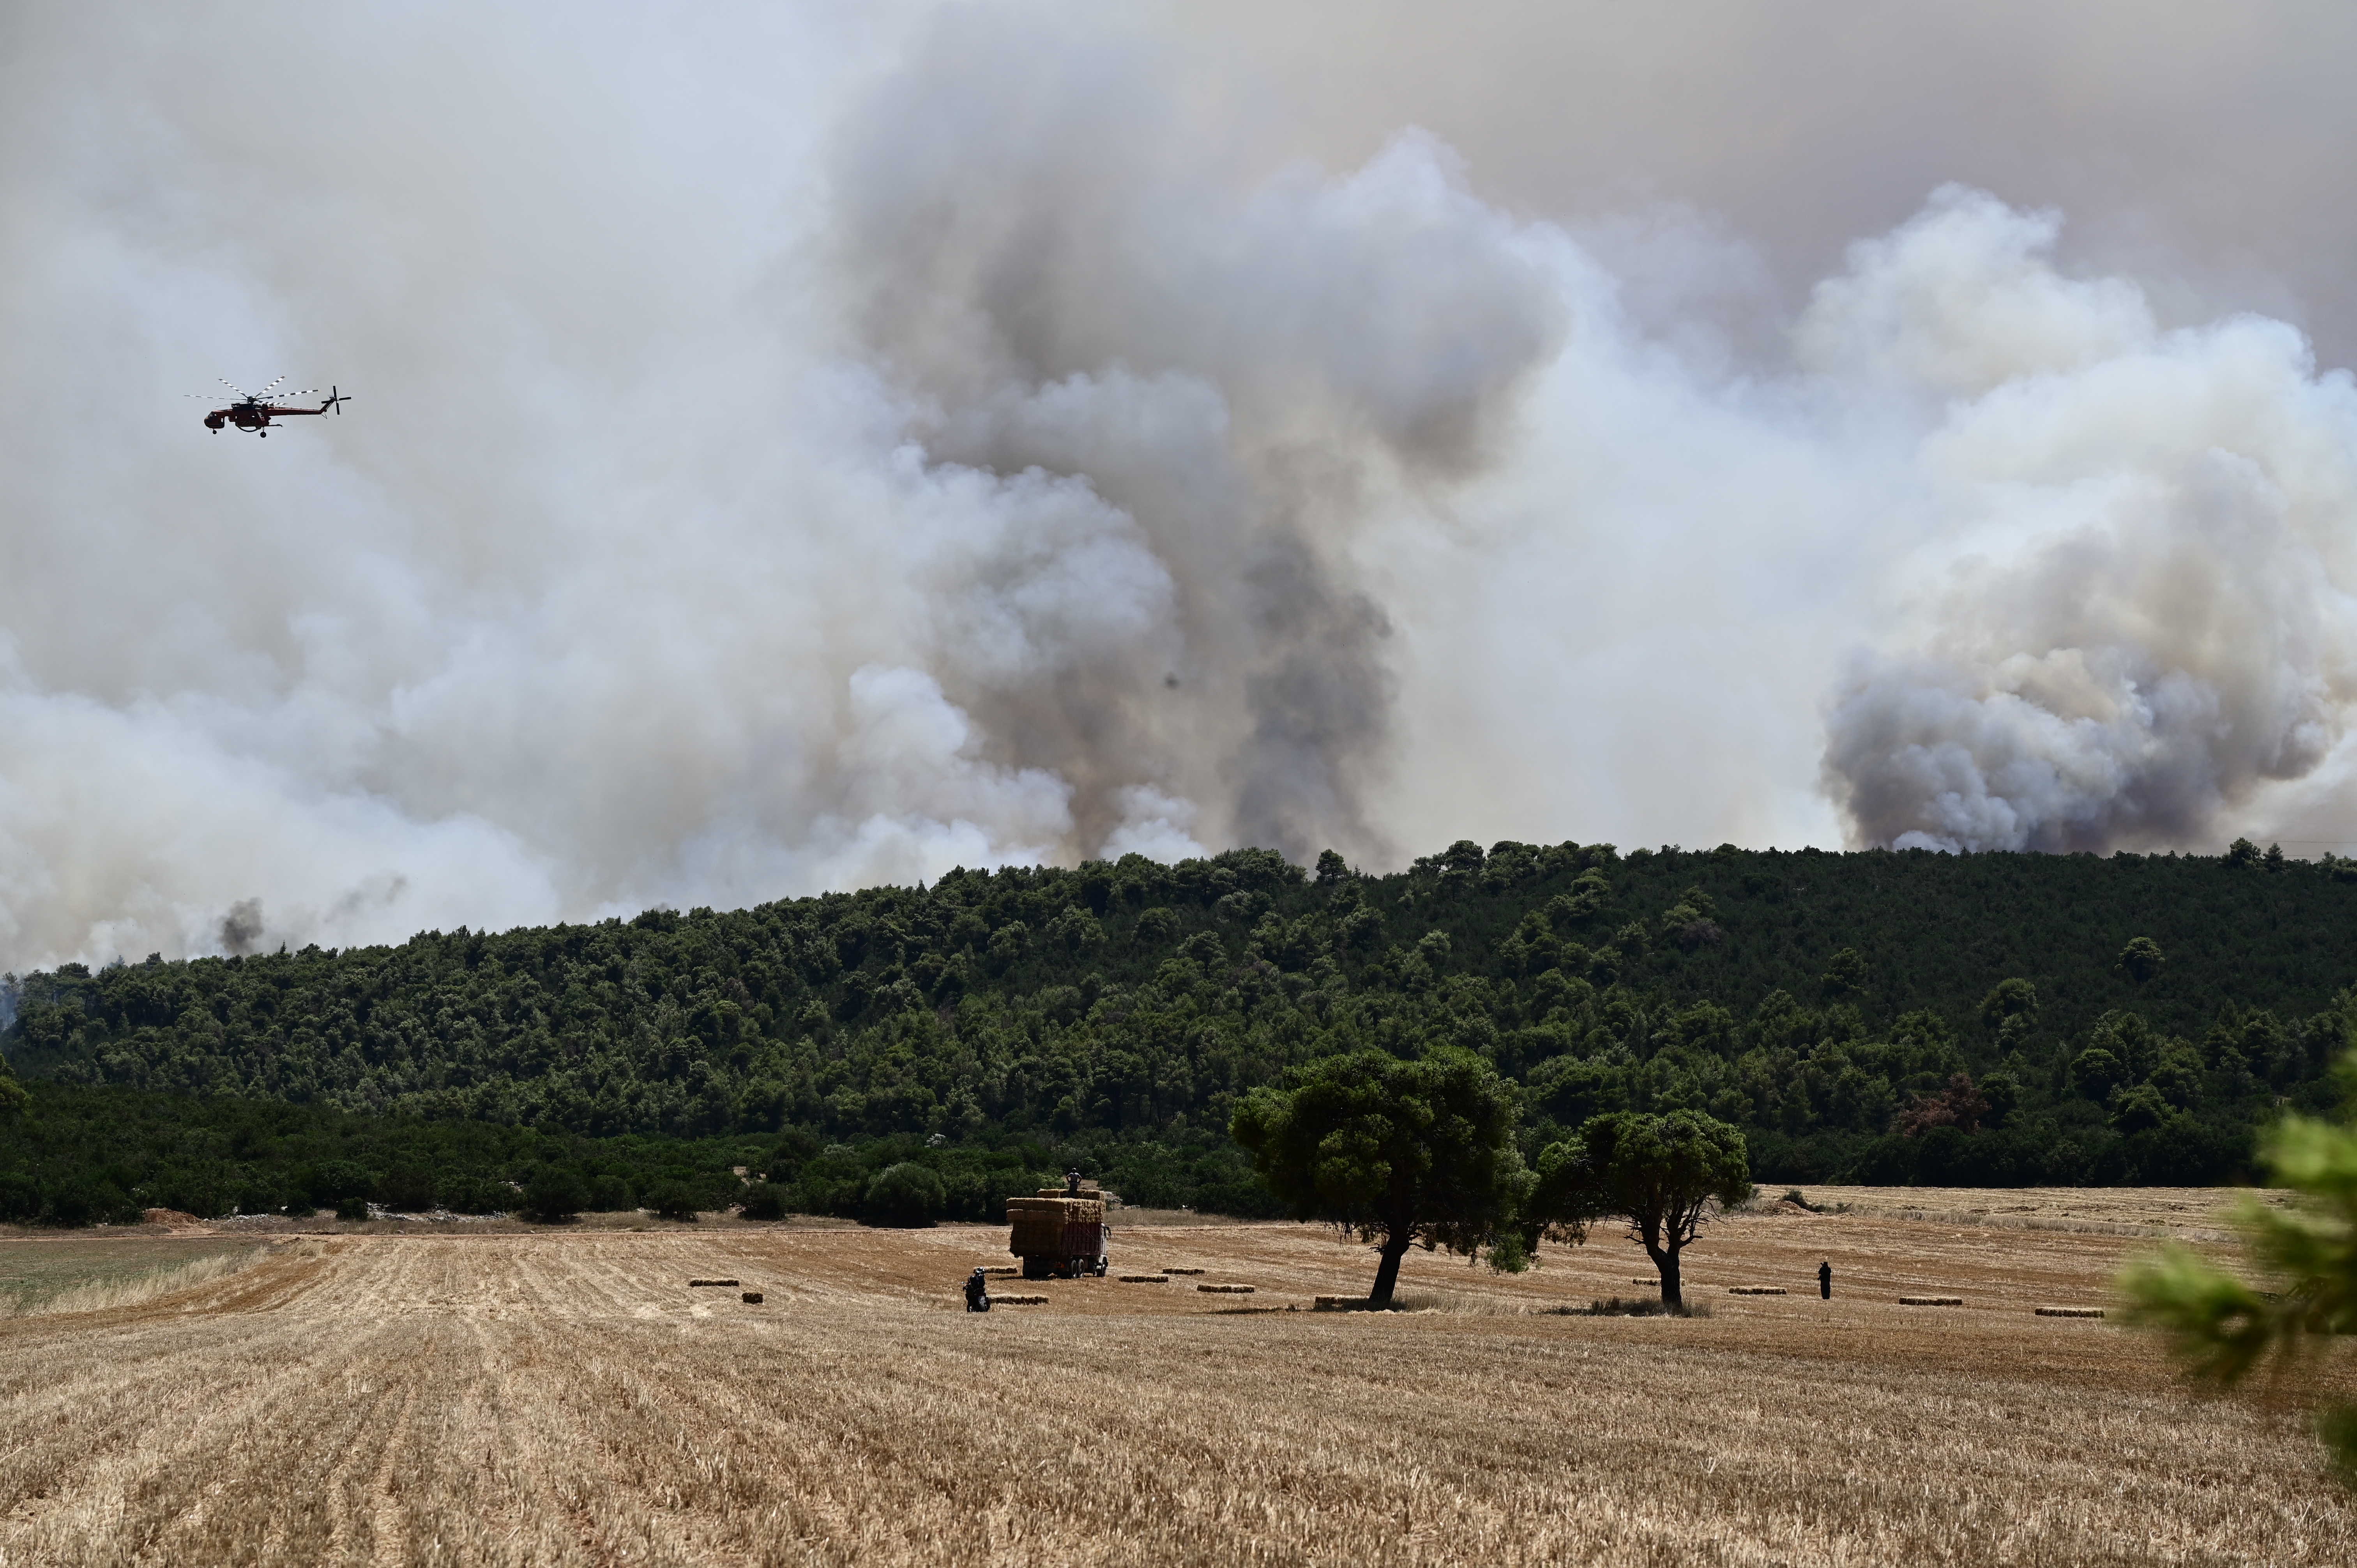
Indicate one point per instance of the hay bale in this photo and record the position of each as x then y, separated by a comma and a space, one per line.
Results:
1340, 1304
1175, 1269
1042, 1226
1931, 1301
699, 1284
1019, 1301
1005, 1271
752, 1298
1645, 1279
1144, 1279
2070, 1311
1755, 1290
1227, 1289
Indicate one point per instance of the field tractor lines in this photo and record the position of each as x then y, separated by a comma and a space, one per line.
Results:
563, 1399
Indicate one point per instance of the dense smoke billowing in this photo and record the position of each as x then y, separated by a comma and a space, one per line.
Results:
1224, 378
793, 452
2140, 622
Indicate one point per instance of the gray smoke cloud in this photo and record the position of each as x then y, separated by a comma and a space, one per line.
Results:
2143, 620
963, 464
1070, 291
240, 929
797, 449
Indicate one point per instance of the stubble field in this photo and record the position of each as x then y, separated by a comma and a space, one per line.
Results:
566, 1398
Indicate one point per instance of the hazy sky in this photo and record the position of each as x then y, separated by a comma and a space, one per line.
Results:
794, 448
2202, 148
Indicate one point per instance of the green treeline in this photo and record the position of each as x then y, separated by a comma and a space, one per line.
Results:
79, 1155
1891, 1016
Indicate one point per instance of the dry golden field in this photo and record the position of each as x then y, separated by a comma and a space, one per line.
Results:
565, 1398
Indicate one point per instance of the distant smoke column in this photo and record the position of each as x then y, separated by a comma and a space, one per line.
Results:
1035, 251
240, 929
2145, 622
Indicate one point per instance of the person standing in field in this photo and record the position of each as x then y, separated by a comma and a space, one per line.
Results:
1824, 1281
978, 1291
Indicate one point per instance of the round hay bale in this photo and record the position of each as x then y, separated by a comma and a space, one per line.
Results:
2069, 1311
752, 1298
1755, 1290
1931, 1301
1176, 1269
1227, 1289
1019, 1301
1144, 1279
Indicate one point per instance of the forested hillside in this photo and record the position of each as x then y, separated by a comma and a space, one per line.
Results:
1896, 1016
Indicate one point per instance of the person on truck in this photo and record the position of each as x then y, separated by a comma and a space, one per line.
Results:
1073, 1184
978, 1291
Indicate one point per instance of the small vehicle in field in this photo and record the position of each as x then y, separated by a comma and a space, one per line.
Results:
1061, 1234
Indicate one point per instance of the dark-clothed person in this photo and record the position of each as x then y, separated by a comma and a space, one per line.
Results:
978, 1291
1825, 1281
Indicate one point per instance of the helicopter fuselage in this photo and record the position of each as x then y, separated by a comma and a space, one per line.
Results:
255, 417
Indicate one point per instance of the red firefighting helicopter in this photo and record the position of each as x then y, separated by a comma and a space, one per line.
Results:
254, 410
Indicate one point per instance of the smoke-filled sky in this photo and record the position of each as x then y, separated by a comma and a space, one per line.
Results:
802, 447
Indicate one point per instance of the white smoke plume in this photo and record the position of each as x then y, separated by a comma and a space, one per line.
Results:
977, 490
796, 449
2144, 619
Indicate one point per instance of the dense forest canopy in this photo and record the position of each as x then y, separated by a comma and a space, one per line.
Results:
1894, 1016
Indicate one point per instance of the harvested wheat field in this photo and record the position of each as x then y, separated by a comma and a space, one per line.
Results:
567, 1398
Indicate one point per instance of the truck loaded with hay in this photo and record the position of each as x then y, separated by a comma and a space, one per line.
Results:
1061, 1234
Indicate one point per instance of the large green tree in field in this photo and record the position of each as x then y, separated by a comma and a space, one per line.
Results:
2225, 1329
1397, 1152
1659, 1172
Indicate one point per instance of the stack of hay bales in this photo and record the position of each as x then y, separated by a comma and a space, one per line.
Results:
1054, 1225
